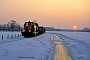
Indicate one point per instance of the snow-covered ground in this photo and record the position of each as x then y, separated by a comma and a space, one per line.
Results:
77, 42
20, 48
42, 47
6, 33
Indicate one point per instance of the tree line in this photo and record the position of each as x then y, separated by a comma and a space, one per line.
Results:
69, 30
10, 26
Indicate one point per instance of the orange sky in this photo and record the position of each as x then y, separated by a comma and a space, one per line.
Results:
55, 13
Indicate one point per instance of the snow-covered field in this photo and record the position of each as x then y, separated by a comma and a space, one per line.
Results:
6, 33
77, 42
42, 47
20, 48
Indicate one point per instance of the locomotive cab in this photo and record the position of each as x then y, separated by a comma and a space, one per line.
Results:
30, 29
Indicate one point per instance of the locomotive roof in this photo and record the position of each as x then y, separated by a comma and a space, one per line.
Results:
32, 23
29, 22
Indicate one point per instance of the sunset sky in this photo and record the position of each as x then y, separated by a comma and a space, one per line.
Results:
53, 13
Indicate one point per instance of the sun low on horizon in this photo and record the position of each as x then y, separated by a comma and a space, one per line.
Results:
75, 27
53, 13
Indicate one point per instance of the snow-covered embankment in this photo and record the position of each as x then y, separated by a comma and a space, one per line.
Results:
37, 48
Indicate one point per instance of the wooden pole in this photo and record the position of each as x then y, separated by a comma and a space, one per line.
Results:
2, 36
8, 37
11, 36
15, 35
18, 35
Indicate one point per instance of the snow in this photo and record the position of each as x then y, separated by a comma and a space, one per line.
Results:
20, 48
42, 47
77, 42
6, 33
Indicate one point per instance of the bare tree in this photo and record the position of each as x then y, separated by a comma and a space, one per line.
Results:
10, 26
13, 26
19, 27
0, 27
12, 23
4, 26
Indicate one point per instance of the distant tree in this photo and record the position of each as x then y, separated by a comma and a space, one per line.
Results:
13, 26
19, 27
10, 26
12, 23
0, 27
4, 27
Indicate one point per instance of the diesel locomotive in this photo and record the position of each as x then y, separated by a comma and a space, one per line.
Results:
32, 29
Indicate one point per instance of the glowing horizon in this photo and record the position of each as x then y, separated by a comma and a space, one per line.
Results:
55, 13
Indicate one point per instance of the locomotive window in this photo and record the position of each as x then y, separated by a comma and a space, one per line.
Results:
31, 23
26, 24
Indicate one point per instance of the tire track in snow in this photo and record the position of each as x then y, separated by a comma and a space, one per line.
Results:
75, 44
6, 52
60, 51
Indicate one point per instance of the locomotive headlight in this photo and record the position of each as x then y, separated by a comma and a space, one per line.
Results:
35, 26
29, 30
26, 24
23, 30
35, 30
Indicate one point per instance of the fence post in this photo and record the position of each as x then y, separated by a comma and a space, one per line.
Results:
18, 35
2, 36
15, 35
8, 37
11, 36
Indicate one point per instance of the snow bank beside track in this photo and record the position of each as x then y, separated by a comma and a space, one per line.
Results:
77, 42
37, 48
